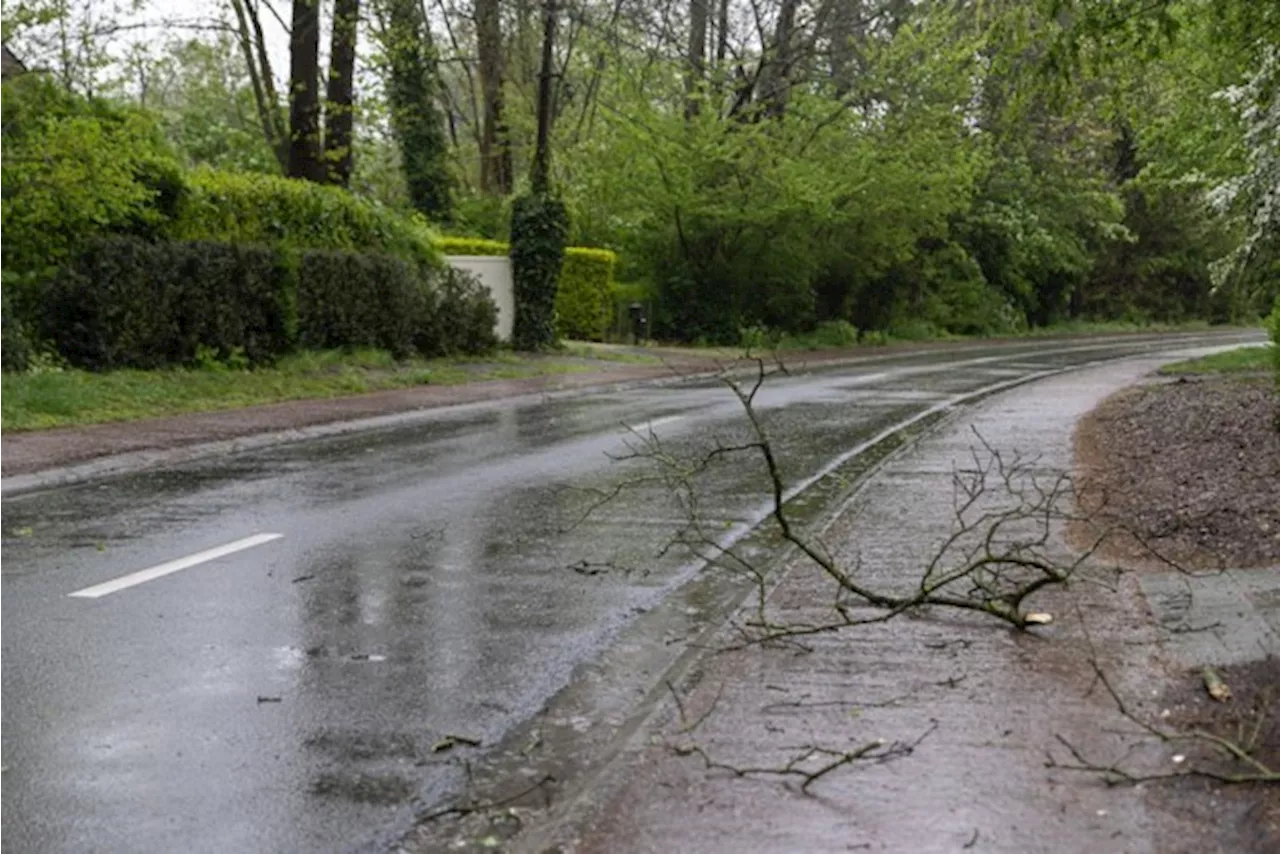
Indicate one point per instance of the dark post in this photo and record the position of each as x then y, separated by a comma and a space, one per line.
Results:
639, 323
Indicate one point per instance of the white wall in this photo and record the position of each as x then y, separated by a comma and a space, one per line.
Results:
494, 272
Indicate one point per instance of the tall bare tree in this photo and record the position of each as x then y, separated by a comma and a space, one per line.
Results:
304, 92
261, 78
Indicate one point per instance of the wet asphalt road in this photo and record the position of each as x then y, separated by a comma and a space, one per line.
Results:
426, 583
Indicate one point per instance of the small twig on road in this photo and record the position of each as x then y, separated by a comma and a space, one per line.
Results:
873, 752
687, 726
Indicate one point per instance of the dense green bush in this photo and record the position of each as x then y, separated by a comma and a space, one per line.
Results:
127, 302
74, 169
466, 315
539, 223
350, 299
584, 298
15, 346
299, 215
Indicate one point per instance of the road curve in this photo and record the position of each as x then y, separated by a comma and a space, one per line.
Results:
271, 651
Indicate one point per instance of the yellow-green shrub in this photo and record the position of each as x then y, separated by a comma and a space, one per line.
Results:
584, 300
471, 246
255, 208
73, 170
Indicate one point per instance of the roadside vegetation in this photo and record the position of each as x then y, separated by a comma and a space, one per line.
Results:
1242, 360
63, 397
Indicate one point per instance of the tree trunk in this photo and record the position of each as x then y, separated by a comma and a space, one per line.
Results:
340, 97
541, 177
696, 74
722, 34
846, 32
495, 148
304, 92
777, 80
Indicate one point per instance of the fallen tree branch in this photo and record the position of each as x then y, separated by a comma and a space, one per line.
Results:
801, 765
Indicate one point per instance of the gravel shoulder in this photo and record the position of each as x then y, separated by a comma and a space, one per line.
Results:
1191, 466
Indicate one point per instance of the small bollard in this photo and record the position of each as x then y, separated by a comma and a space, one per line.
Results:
639, 323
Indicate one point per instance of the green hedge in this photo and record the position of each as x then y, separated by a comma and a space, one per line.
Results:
251, 208
584, 300
471, 246
349, 299
127, 302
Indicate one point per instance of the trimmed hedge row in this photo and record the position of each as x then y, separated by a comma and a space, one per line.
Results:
127, 302
585, 298
584, 301
349, 299
471, 246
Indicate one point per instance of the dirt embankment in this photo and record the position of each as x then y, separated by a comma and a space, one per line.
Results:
1191, 467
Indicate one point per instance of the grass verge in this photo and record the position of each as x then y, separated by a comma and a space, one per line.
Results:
1242, 360
56, 398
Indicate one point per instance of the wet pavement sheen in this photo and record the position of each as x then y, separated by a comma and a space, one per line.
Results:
292, 696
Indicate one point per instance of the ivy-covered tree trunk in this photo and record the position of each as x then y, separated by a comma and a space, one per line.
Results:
539, 223
412, 85
539, 227
340, 98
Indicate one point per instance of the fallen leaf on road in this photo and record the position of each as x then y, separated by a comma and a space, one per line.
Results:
1213, 683
1038, 618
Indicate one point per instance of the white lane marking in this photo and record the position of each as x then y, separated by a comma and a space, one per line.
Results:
650, 426
144, 575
